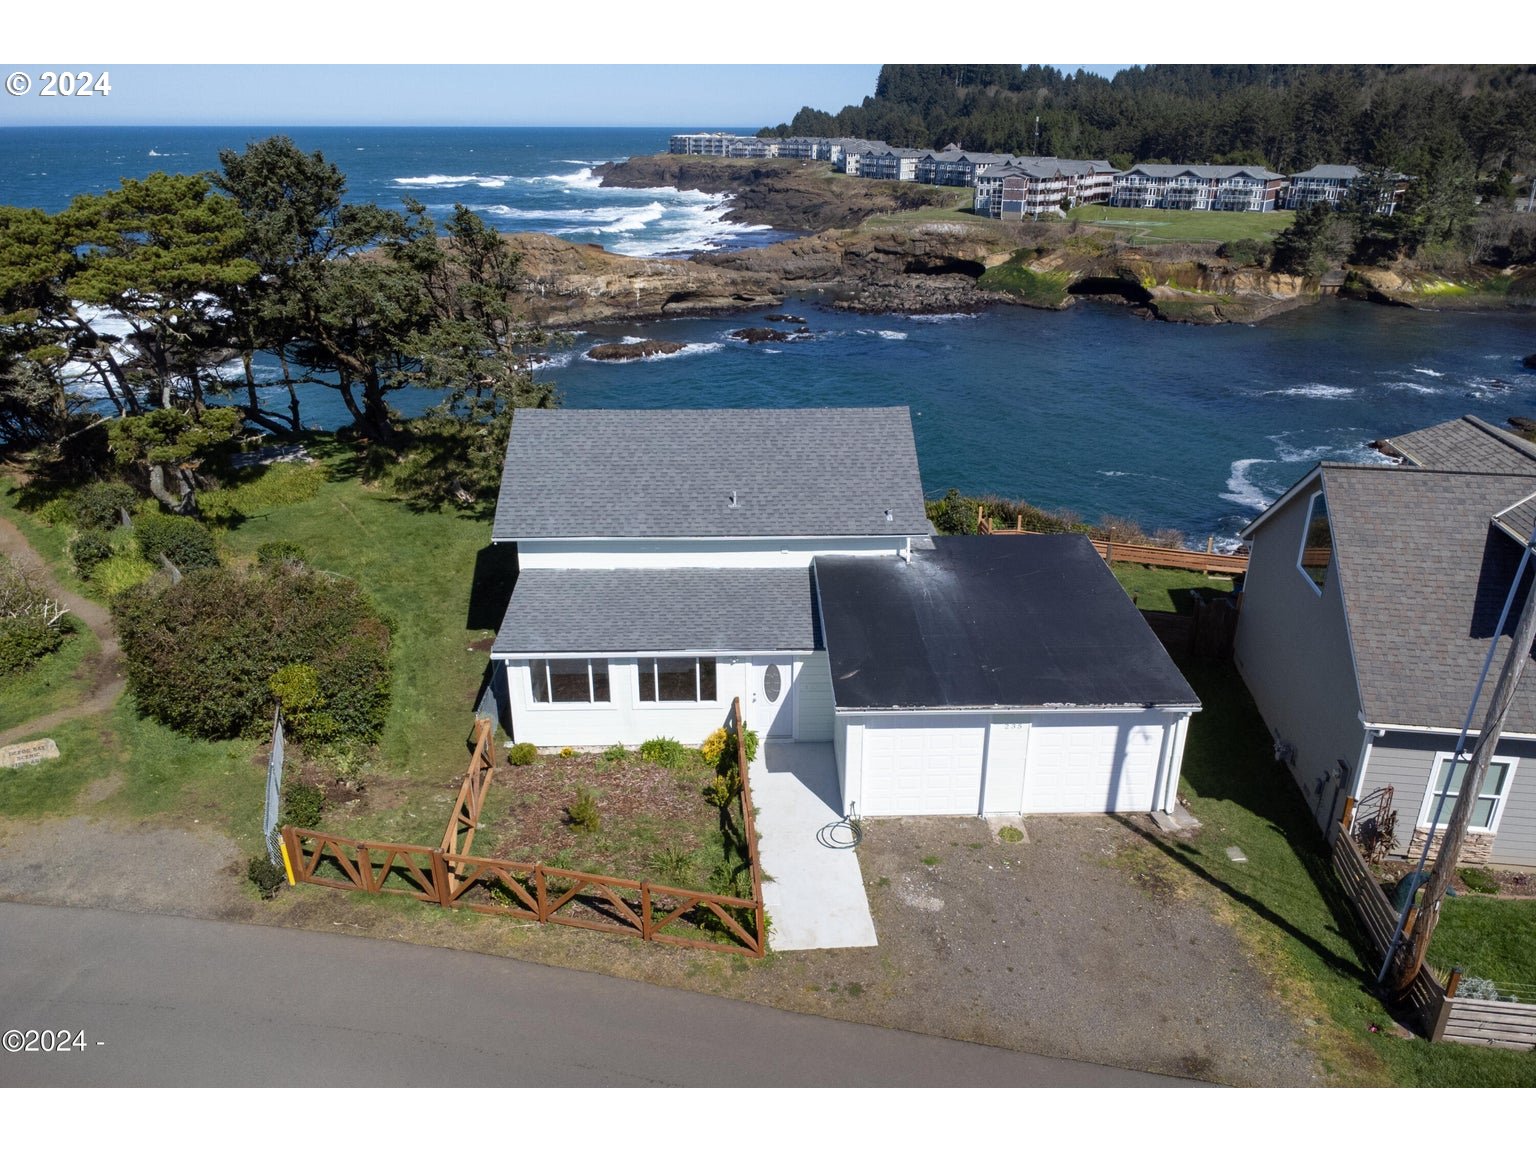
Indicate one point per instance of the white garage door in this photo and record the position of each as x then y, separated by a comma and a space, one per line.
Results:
923, 766
1083, 764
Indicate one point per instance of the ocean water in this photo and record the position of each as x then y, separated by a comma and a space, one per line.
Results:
1092, 410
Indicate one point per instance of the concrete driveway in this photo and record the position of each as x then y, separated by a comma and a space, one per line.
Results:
815, 896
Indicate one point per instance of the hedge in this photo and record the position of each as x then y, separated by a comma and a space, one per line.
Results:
186, 543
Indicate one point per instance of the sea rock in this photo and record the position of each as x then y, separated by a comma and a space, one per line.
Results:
634, 351
1530, 361
760, 335
784, 318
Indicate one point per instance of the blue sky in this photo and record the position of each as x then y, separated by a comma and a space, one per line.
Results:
697, 95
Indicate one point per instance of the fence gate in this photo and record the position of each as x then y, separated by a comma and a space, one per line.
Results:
269, 832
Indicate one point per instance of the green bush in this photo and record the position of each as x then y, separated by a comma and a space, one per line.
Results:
120, 572
297, 689
200, 655
101, 505
277, 553
582, 814
665, 751
267, 876
616, 754
185, 542
522, 755
24, 640
302, 804
88, 549
1247, 250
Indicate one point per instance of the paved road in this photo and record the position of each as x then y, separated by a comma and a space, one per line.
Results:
166, 1001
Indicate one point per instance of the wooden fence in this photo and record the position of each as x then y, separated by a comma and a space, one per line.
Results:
1207, 630
1445, 1016
1210, 561
450, 877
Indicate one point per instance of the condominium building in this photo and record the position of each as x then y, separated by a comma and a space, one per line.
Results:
1338, 184
1199, 187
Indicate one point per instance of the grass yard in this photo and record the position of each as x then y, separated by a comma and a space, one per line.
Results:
1166, 225
1286, 905
1489, 938
1168, 589
56, 681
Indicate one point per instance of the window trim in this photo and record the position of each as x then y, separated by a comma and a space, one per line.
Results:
1301, 550
535, 702
1500, 803
696, 702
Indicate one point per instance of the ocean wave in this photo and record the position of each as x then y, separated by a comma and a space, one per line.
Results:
437, 181
889, 334
1312, 391
1104, 473
1242, 489
942, 317
1428, 372
1413, 386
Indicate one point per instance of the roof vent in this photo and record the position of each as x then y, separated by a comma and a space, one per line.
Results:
888, 516
733, 503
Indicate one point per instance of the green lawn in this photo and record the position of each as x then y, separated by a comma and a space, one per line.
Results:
1165, 225
1286, 905
56, 681
1491, 938
1167, 589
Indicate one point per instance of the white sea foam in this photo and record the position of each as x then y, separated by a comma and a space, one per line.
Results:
1428, 372
942, 317
1412, 386
438, 181
1104, 473
1241, 488
1312, 391
696, 349
890, 334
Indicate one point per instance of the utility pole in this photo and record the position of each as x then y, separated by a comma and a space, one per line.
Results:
1471, 784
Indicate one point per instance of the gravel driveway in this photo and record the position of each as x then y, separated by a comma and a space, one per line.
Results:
1060, 946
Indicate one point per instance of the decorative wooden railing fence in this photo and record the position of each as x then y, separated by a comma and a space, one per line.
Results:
450, 877
1445, 1015
1211, 562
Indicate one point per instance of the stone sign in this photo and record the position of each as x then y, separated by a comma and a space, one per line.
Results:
15, 755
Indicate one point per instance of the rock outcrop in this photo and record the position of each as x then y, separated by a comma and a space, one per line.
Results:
637, 350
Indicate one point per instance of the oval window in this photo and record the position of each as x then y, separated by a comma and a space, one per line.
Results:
772, 683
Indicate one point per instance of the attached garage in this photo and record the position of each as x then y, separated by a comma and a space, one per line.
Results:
998, 675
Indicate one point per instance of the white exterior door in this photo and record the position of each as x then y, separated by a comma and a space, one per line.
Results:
1092, 764
770, 695
923, 766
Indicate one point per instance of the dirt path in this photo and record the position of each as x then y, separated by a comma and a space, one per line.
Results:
104, 668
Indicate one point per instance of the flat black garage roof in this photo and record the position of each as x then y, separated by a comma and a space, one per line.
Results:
990, 622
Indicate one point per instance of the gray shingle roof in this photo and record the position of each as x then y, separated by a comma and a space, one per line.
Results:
1329, 172
659, 610
1465, 445
1207, 171
1424, 574
586, 473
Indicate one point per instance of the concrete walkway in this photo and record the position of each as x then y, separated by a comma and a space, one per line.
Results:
815, 898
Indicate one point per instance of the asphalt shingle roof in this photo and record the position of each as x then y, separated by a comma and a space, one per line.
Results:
659, 610
1424, 573
589, 473
1465, 445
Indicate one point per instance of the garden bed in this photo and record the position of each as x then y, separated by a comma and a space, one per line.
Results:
653, 821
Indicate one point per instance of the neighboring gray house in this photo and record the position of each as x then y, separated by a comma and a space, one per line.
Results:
1371, 597
672, 560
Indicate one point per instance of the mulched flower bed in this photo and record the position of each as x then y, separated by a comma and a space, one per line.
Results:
1479, 879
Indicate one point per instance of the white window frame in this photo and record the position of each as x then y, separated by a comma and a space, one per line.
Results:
1301, 550
589, 702
1427, 808
642, 662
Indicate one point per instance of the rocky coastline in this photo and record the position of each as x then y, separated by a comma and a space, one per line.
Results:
870, 246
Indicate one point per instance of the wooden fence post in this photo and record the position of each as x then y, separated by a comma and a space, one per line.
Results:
645, 909
1442, 1014
539, 893
1349, 812
441, 881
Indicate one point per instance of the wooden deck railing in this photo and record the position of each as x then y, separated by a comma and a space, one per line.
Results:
1211, 562
452, 878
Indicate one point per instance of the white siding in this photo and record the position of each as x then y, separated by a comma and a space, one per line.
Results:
1093, 763
755, 553
624, 719
813, 703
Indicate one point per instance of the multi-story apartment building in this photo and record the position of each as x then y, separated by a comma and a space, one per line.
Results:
891, 164
1199, 187
1338, 184
956, 168
722, 144
1037, 185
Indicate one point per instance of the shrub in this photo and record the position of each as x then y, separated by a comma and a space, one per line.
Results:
200, 655
297, 689
185, 542
567, 753
32, 622
120, 572
302, 804
665, 751
714, 747
616, 754
1247, 251
522, 755
88, 549
267, 876
101, 505
280, 553
582, 814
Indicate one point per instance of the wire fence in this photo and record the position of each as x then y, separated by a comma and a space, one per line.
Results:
269, 817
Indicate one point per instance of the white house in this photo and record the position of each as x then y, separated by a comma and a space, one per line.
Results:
669, 561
